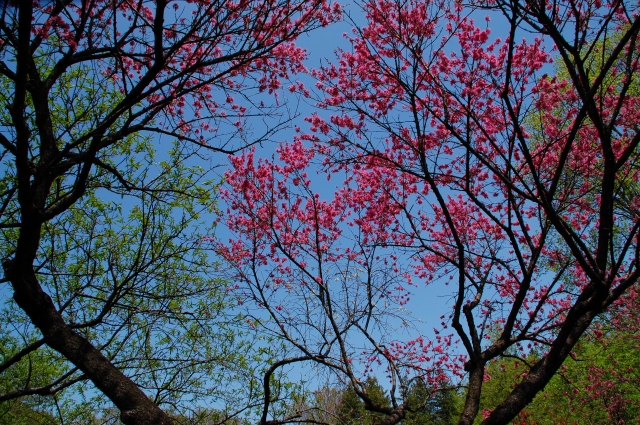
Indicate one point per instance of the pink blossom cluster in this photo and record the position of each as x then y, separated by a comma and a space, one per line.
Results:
460, 162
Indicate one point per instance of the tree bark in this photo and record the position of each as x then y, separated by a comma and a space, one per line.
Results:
472, 402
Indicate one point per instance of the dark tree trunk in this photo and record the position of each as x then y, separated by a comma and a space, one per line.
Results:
472, 402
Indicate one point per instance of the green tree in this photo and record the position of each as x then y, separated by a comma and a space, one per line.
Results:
131, 274
352, 410
433, 407
127, 269
20, 413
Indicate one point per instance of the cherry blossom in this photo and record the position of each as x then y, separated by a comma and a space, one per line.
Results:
460, 162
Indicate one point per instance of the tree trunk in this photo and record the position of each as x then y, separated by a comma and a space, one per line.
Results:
472, 401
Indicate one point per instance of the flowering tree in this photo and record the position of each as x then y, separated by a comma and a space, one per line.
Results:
81, 82
462, 164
